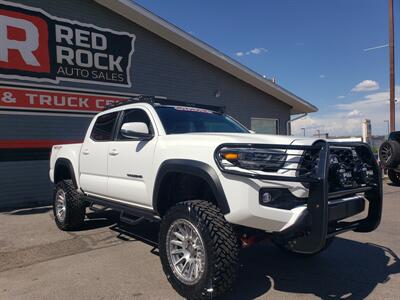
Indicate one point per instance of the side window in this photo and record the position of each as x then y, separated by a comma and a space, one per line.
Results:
104, 126
395, 136
135, 115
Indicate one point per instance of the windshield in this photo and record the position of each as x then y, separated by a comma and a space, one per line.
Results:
177, 119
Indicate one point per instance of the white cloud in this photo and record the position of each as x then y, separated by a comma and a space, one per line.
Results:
336, 124
254, 51
347, 118
366, 86
341, 97
374, 100
322, 76
355, 113
257, 51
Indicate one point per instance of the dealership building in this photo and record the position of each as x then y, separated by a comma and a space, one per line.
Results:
62, 61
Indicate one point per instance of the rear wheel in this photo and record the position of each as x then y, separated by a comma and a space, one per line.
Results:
394, 176
68, 206
198, 250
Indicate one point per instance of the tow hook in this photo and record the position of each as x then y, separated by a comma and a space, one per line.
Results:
250, 240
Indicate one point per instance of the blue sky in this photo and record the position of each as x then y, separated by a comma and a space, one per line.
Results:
314, 48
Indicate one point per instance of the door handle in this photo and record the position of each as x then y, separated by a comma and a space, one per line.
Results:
85, 152
113, 152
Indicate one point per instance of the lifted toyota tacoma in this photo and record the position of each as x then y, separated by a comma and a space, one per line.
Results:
214, 186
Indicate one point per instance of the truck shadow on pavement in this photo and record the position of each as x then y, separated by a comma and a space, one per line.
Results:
26, 210
347, 270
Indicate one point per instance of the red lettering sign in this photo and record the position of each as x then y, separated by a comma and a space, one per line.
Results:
45, 100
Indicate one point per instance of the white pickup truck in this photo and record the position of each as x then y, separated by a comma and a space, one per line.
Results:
214, 186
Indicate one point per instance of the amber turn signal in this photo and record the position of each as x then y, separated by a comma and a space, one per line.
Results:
230, 156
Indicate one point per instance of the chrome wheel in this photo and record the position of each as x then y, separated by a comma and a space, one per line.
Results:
386, 153
60, 205
185, 251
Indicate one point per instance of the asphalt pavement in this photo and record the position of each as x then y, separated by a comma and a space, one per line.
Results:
108, 260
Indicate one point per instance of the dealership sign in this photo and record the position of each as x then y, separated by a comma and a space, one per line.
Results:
37, 46
28, 99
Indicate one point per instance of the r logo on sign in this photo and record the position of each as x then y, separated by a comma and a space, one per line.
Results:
23, 42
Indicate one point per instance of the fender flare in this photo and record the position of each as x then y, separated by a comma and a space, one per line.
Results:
65, 163
195, 168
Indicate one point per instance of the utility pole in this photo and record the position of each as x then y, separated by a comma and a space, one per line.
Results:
391, 55
304, 131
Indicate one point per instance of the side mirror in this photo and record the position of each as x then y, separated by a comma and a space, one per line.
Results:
136, 130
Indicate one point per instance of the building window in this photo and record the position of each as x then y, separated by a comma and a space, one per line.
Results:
264, 125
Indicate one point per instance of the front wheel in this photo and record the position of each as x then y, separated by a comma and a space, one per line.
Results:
198, 250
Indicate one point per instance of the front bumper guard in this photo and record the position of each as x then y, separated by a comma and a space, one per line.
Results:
316, 221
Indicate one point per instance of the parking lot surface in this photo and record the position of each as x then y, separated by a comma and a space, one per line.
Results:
107, 260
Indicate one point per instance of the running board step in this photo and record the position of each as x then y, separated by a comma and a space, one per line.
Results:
130, 220
97, 208
129, 213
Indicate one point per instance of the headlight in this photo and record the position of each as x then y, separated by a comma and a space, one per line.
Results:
248, 158
363, 173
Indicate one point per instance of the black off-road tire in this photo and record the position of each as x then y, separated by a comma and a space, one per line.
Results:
394, 176
285, 248
75, 207
221, 249
389, 154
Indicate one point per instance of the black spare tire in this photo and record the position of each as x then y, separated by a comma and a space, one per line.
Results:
389, 154
394, 176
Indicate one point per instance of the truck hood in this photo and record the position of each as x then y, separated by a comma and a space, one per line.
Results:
246, 138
